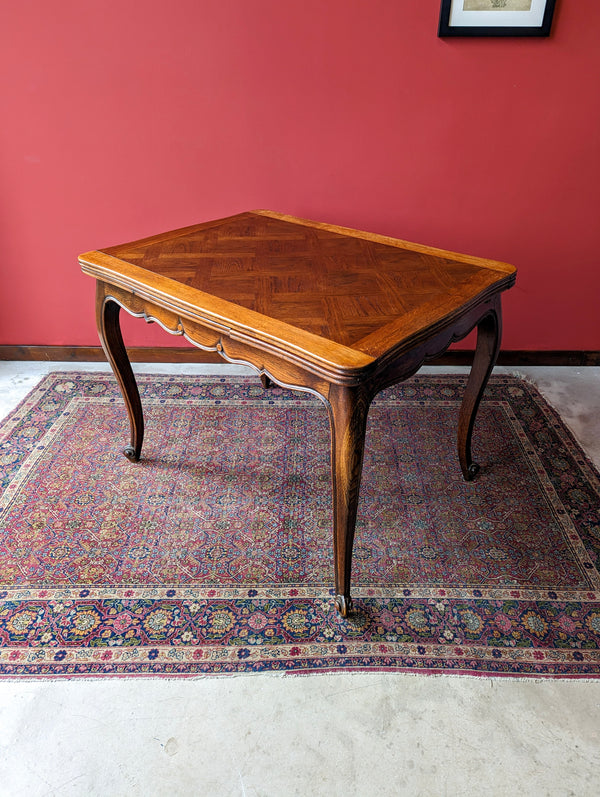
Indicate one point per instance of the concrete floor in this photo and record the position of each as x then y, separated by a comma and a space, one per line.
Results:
344, 734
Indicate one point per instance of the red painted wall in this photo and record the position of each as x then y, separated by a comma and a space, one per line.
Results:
122, 118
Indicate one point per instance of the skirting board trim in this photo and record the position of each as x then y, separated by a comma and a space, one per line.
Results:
175, 354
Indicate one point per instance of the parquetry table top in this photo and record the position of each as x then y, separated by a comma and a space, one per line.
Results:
361, 292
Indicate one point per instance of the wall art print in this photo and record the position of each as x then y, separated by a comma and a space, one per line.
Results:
496, 17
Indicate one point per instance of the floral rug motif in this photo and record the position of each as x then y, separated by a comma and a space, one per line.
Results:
213, 554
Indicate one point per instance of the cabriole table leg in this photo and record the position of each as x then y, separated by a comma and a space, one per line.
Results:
489, 333
109, 331
348, 409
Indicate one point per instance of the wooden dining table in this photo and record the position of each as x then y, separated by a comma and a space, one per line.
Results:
333, 311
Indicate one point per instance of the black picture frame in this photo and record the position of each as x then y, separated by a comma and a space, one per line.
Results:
448, 29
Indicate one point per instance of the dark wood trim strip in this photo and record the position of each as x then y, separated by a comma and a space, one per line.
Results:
176, 354
92, 354
518, 357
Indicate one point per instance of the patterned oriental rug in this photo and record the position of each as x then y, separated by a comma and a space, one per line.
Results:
214, 553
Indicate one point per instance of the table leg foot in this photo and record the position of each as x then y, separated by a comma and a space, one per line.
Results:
489, 332
266, 382
343, 605
131, 454
472, 471
109, 331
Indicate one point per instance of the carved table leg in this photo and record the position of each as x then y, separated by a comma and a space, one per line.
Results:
348, 419
489, 333
266, 382
109, 331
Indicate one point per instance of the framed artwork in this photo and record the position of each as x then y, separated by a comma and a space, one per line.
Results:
496, 17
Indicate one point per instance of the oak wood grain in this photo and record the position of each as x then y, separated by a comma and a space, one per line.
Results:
288, 282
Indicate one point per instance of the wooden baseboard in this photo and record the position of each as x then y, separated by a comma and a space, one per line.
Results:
174, 354
94, 354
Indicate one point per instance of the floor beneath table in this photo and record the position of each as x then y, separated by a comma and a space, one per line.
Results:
344, 734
